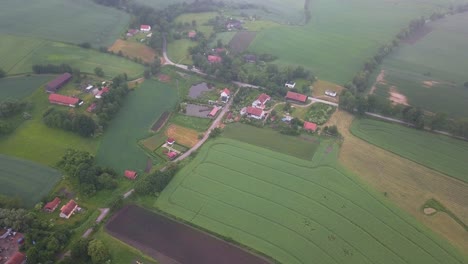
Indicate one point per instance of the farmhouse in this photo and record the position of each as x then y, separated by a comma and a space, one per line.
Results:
67, 210
290, 85
214, 111
172, 154
330, 93
145, 28
57, 83
225, 94
17, 258
192, 34
51, 206
309, 126
261, 101
254, 112
101, 92
296, 97
170, 141
131, 174
214, 59
64, 100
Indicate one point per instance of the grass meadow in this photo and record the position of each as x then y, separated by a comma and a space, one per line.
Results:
20, 56
431, 72
21, 87
25, 179
296, 211
72, 21
196, 123
144, 105
177, 51
442, 153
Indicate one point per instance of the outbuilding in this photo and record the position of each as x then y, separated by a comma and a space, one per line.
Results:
296, 97
67, 210
57, 83
131, 174
145, 28
309, 126
64, 100
51, 206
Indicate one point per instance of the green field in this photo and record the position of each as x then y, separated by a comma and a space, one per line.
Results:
21, 53
177, 51
303, 148
73, 21
441, 153
119, 148
296, 211
440, 53
21, 87
197, 123
25, 179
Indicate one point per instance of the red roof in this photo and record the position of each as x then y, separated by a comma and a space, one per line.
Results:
296, 97
69, 207
214, 59
192, 34
50, 206
131, 174
170, 141
310, 126
171, 154
145, 27
62, 99
56, 83
103, 91
17, 258
226, 91
263, 98
91, 107
214, 111
254, 111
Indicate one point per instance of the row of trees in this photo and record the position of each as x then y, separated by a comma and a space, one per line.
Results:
156, 182
88, 251
51, 68
78, 123
108, 106
89, 177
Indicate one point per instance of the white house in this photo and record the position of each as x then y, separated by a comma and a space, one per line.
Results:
145, 28
254, 112
330, 93
290, 85
225, 94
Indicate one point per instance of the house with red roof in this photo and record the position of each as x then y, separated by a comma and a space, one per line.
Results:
214, 111
296, 97
57, 83
192, 34
17, 258
170, 141
254, 112
261, 101
309, 126
51, 206
64, 100
225, 94
214, 59
91, 108
67, 210
102, 92
131, 174
145, 28
172, 155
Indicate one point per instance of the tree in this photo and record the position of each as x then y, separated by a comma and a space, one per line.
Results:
98, 252
216, 132
287, 107
80, 250
2, 73
99, 71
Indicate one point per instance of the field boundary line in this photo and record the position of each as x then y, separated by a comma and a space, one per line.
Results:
39, 45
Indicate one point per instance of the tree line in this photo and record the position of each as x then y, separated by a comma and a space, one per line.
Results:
9, 109
156, 182
51, 68
78, 123
109, 105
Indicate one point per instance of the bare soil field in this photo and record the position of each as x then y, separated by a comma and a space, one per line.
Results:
171, 242
161, 121
182, 135
198, 110
241, 41
134, 50
407, 184
396, 97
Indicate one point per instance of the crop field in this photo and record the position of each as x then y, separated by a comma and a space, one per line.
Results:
134, 49
346, 32
119, 148
56, 53
431, 71
296, 211
184, 136
241, 41
21, 87
442, 153
25, 179
302, 147
72, 21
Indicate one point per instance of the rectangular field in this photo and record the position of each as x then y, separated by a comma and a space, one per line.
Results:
296, 211
195, 123
169, 241
241, 41
438, 152
21, 87
25, 179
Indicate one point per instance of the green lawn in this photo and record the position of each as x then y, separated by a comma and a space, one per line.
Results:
297, 211
201, 20
119, 148
177, 51
25, 179
302, 147
72, 21
46, 52
196, 123
438, 57
442, 153
21, 87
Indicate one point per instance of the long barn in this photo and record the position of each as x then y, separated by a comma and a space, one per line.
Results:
57, 83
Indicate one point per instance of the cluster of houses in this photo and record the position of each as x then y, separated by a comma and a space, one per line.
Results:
66, 211
10, 241
233, 24
256, 110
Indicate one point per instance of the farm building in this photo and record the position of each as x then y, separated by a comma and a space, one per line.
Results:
172, 155
290, 85
214, 59
225, 94
145, 28
254, 112
132, 32
91, 108
17, 258
261, 101
220, 50
309, 126
296, 97
51, 206
214, 111
250, 58
131, 174
330, 93
192, 34
170, 141
67, 210
64, 100
101, 92
233, 24
57, 83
